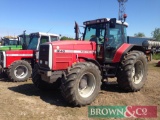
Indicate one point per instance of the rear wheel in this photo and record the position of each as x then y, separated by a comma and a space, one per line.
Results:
42, 85
81, 84
19, 71
132, 71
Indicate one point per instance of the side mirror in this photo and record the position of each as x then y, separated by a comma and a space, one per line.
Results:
112, 23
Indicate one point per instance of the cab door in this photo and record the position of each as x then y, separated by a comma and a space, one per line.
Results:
114, 41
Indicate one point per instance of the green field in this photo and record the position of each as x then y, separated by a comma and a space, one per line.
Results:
156, 56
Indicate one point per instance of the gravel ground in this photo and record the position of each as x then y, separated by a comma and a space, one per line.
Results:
22, 101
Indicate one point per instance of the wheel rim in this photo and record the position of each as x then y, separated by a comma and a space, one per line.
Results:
137, 72
21, 71
87, 85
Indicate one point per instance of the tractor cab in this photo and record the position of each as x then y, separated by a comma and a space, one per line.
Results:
9, 41
38, 38
109, 35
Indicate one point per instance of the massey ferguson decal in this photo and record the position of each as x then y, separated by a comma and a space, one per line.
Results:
75, 51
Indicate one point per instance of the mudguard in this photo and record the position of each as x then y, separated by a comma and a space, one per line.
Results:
124, 49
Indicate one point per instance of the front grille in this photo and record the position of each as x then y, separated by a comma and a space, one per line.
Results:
44, 56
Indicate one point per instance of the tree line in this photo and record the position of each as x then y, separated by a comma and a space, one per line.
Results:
155, 34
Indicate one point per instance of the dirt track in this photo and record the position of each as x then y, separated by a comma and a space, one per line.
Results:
22, 101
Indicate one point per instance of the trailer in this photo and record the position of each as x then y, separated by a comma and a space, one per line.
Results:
151, 46
138, 40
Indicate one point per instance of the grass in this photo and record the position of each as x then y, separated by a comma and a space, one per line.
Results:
156, 56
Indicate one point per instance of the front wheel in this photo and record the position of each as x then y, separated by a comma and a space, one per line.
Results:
81, 84
132, 72
19, 71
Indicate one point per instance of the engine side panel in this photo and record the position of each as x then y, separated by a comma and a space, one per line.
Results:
65, 55
12, 56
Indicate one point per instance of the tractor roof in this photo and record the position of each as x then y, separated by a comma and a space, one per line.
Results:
102, 20
46, 34
13, 39
10, 39
22, 35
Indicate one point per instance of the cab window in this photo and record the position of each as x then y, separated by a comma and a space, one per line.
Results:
54, 38
95, 33
44, 39
115, 40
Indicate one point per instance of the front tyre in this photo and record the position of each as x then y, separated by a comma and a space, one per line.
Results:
81, 84
19, 71
132, 72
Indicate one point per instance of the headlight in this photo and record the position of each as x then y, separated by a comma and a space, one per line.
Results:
46, 62
40, 61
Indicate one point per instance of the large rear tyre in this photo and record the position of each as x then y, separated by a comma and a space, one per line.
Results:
81, 84
19, 71
42, 85
132, 72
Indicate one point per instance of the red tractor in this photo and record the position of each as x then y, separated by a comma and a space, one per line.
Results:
17, 64
83, 65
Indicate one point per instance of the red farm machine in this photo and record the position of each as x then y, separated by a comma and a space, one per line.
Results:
18, 64
83, 65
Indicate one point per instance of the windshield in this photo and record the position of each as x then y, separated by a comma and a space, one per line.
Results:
12, 42
9, 42
33, 43
95, 32
115, 36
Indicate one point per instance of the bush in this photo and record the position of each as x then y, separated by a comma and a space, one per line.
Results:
66, 38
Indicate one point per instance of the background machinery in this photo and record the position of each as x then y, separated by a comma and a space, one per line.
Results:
14, 43
17, 64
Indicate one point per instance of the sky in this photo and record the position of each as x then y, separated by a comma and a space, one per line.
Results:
58, 16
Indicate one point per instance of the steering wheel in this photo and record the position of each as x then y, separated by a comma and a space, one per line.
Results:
101, 39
